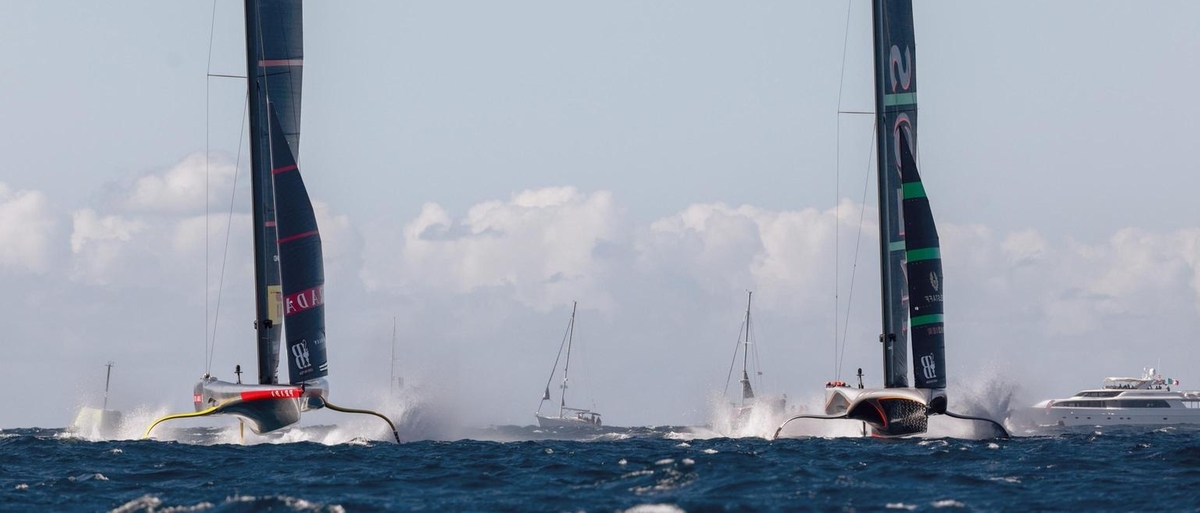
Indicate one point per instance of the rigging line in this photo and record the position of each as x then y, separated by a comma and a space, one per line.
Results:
556, 359
857, 244
222, 75
837, 191
207, 151
734, 360
228, 228
754, 352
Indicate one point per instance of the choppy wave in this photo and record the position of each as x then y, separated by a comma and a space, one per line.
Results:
524, 468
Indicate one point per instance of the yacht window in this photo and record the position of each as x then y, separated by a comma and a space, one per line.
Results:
1141, 403
1099, 394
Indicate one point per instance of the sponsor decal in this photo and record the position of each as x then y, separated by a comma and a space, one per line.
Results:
928, 367
304, 300
278, 393
933, 280
300, 352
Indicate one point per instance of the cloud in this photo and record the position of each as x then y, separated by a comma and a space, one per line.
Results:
98, 242
26, 228
546, 245
480, 287
181, 189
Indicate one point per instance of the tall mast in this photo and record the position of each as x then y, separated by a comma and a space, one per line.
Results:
274, 64
562, 403
747, 392
895, 108
392, 380
267, 326
107, 378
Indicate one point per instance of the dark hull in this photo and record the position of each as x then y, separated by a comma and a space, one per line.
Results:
888, 411
264, 408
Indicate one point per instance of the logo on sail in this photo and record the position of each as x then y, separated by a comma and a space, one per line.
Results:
304, 300
300, 351
928, 367
933, 280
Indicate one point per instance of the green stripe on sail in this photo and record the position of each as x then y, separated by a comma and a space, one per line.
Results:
916, 255
896, 246
914, 190
890, 100
922, 320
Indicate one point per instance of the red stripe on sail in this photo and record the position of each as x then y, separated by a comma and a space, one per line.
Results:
278, 393
283, 169
266, 63
304, 300
269, 224
297, 236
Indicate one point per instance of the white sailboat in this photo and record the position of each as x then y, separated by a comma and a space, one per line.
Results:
102, 422
749, 404
568, 417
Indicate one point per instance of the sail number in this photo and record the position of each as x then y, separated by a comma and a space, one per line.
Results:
900, 69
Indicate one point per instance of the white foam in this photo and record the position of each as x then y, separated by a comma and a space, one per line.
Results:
948, 503
900, 505
655, 508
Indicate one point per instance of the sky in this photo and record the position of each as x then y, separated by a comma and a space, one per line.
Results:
479, 166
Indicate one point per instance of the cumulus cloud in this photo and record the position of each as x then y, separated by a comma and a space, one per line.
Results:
543, 244
488, 282
26, 225
98, 242
181, 188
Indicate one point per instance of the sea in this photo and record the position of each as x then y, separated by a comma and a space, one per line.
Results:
648, 469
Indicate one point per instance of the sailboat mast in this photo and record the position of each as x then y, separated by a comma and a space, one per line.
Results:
274, 64
747, 392
392, 379
266, 267
562, 402
107, 378
895, 106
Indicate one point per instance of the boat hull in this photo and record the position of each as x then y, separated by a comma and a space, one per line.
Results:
264, 408
1048, 415
566, 422
888, 411
97, 422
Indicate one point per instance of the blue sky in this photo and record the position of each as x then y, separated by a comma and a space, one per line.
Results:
477, 166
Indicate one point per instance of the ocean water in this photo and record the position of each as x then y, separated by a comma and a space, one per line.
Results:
645, 469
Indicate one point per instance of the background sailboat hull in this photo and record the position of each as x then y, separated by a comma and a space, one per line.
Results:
566, 422
97, 422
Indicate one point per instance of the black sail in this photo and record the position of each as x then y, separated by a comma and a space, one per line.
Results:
924, 270
301, 264
274, 64
895, 111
